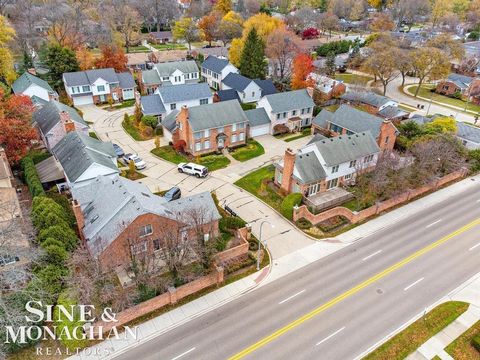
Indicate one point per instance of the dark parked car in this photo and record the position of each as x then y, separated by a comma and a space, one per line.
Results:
118, 150
173, 194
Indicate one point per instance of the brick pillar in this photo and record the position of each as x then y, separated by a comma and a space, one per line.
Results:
219, 273
77, 211
387, 132
173, 295
288, 166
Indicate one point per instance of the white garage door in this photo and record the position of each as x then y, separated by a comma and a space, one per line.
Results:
259, 130
128, 94
82, 100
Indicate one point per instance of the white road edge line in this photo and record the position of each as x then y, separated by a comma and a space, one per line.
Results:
291, 297
474, 246
435, 222
183, 354
330, 336
371, 255
413, 284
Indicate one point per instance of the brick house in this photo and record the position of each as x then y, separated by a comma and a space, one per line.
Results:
326, 88
54, 120
466, 86
98, 86
208, 128
119, 218
324, 164
347, 120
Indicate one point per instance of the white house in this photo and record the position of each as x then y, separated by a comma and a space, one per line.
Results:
169, 98
169, 73
55, 120
34, 87
215, 69
293, 109
98, 86
247, 89
83, 158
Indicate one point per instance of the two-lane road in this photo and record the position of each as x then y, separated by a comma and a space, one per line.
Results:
339, 306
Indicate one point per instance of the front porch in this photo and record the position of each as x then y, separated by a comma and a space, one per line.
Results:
327, 199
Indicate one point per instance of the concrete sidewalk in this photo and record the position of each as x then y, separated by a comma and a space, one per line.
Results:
287, 264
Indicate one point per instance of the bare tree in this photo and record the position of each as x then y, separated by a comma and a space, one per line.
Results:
281, 49
410, 11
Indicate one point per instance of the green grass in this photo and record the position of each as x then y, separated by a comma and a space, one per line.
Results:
250, 151
408, 340
461, 348
92, 134
125, 104
163, 47
426, 93
253, 184
168, 153
137, 49
353, 78
214, 162
248, 106
133, 131
305, 132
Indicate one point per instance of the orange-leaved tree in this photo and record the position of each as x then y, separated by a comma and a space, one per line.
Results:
15, 121
112, 57
302, 66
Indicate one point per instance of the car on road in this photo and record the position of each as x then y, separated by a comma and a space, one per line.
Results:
118, 150
193, 169
173, 194
139, 163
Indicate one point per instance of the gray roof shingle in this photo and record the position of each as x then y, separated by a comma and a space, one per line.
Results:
257, 117
267, 86
49, 115
150, 77
369, 98
214, 64
170, 121
77, 152
308, 168
468, 132
290, 100
356, 120
88, 77
126, 81
323, 118
462, 81
27, 79
392, 112
109, 206
152, 105
216, 115
185, 92
168, 68
236, 81
230, 94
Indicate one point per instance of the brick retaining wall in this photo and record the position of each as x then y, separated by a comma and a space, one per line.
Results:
355, 217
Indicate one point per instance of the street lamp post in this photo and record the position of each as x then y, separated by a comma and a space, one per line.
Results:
260, 242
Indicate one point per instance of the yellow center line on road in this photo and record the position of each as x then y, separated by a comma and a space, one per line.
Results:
352, 291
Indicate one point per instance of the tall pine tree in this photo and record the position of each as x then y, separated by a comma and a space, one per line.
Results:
252, 60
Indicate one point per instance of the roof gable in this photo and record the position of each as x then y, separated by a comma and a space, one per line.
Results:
290, 100
216, 115
185, 92
27, 79
356, 120
168, 68
49, 115
237, 82
215, 64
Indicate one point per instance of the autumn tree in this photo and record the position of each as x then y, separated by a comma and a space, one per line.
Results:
453, 49
230, 27
281, 49
112, 57
382, 22
302, 67
409, 11
7, 34
403, 63
429, 64
59, 60
17, 133
85, 58
223, 6
208, 26
127, 23
328, 22
185, 29
252, 61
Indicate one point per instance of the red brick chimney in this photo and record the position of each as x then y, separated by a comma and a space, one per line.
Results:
310, 91
67, 122
77, 211
288, 166
387, 136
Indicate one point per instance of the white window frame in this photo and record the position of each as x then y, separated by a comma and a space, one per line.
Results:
143, 230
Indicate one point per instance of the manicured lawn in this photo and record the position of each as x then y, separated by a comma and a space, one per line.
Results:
462, 348
162, 47
407, 341
305, 132
214, 162
426, 93
253, 184
169, 154
137, 49
133, 131
125, 104
353, 78
251, 150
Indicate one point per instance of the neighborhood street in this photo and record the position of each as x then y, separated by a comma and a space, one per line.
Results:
338, 307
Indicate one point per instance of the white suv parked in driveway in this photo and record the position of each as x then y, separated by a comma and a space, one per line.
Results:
139, 163
192, 169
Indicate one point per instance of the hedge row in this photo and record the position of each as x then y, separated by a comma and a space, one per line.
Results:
335, 47
286, 208
31, 177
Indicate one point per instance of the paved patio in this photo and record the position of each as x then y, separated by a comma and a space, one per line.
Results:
328, 199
